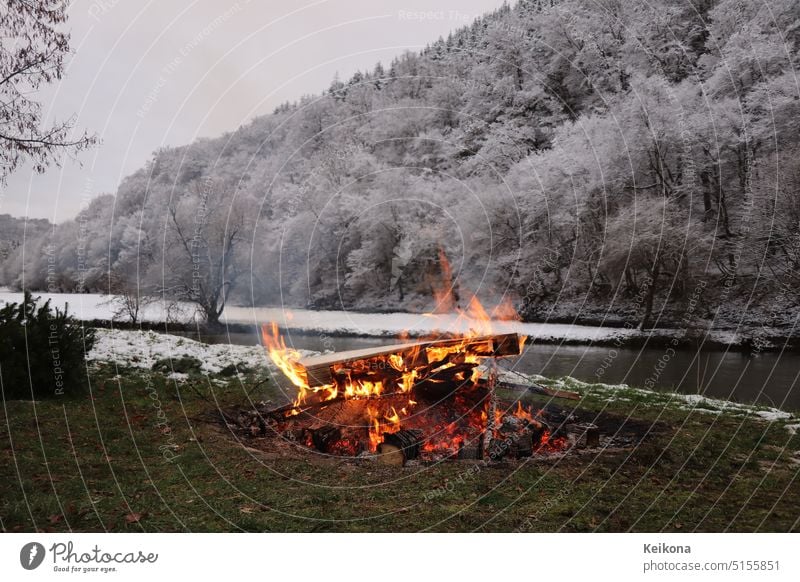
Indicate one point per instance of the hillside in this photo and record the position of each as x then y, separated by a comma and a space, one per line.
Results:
625, 159
14, 232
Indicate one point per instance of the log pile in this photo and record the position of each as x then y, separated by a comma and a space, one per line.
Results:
388, 362
414, 401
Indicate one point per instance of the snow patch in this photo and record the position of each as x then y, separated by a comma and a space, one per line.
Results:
693, 402
142, 349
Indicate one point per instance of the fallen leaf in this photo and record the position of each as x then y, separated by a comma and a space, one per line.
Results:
55, 518
134, 517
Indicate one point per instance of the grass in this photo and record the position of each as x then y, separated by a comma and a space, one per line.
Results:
136, 455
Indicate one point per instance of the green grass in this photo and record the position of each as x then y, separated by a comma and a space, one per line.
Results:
100, 463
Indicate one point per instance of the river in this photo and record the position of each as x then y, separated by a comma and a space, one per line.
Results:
769, 378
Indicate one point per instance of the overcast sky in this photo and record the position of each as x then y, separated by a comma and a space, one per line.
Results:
151, 74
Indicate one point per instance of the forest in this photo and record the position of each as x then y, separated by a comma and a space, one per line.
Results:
588, 159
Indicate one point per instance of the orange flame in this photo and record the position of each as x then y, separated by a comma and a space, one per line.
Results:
381, 424
505, 311
475, 318
524, 413
443, 290
286, 359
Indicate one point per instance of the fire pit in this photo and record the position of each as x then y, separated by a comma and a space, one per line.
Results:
424, 400
421, 401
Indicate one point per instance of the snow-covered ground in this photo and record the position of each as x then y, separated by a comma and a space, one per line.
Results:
90, 306
142, 349
393, 324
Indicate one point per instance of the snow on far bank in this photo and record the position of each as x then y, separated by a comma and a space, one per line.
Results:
89, 307
142, 349
393, 324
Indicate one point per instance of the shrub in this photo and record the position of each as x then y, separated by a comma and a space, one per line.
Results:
41, 351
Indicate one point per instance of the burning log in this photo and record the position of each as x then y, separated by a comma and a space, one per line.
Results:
463, 371
434, 390
386, 400
537, 434
324, 370
399, 447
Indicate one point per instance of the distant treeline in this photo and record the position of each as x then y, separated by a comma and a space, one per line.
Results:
612, 156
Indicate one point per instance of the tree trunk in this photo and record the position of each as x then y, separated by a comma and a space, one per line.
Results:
648, 300
708, 211
212, 314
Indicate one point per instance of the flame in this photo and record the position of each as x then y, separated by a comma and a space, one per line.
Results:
479, 319
407, 381
286, 359
443, 290
524, 413
393, 418
396, 361
448, 439
475, 319
381, 424
550, 444
505, 311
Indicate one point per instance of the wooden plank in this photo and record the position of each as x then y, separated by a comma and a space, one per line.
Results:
320, 369
536, 389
